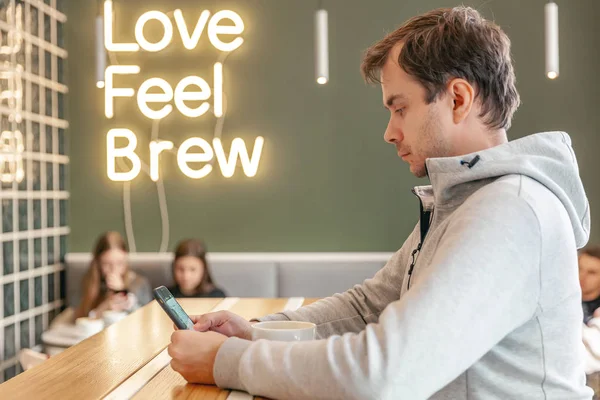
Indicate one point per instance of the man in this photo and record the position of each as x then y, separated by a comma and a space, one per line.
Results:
482, 301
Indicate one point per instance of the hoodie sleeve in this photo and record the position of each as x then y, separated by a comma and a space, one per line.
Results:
352, 310
482, 283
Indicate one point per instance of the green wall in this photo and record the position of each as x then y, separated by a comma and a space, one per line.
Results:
327, 180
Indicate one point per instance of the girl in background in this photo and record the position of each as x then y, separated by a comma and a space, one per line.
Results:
190, 271
109, 284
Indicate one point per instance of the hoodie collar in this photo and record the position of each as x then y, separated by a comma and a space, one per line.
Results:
545, 157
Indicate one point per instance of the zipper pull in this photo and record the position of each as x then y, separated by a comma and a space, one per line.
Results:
412, 264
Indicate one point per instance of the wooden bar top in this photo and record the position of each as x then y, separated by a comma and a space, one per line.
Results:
94, 367
110, 361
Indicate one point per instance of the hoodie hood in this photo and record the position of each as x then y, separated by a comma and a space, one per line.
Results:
545, 157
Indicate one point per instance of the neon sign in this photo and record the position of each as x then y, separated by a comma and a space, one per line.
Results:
154, 96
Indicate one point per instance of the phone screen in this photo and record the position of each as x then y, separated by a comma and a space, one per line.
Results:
173, 308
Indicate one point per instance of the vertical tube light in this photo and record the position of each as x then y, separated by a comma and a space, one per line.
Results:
321, 47
551, 19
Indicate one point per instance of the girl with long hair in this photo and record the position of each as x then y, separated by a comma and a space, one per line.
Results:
109, 284
190, 272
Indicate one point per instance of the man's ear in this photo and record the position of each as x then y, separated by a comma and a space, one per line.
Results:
462, 95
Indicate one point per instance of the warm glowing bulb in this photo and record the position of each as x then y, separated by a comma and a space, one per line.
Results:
551, 40
100, 84
321, 80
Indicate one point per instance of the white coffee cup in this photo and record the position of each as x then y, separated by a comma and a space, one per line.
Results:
110, 317
284, 331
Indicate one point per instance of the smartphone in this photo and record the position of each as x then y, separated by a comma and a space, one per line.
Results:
166, 300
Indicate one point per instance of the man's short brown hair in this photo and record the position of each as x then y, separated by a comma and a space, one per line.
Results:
449, 43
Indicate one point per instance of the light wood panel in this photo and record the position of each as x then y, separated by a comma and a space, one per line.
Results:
94, 367
168, 384
256, 307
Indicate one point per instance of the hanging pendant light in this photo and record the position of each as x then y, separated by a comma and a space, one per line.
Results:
100, 53
321, 47
551, 33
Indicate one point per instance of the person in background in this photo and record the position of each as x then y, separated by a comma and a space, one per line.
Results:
589, 279
190, 271
109, 284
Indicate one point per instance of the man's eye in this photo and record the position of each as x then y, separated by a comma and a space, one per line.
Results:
400, 110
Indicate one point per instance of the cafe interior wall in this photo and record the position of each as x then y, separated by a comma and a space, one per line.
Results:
34, 163
326, 181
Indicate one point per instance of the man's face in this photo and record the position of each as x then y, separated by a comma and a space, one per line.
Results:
417, 129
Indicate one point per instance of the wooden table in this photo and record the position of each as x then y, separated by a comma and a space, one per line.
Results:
129, 358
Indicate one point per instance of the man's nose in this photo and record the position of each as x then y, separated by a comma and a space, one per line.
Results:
392, 134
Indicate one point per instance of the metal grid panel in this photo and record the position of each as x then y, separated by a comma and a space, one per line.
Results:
33, 193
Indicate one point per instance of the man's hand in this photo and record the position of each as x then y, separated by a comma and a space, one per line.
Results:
224, 322
193, 354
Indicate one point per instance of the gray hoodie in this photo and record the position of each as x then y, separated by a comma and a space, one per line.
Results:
487, 307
